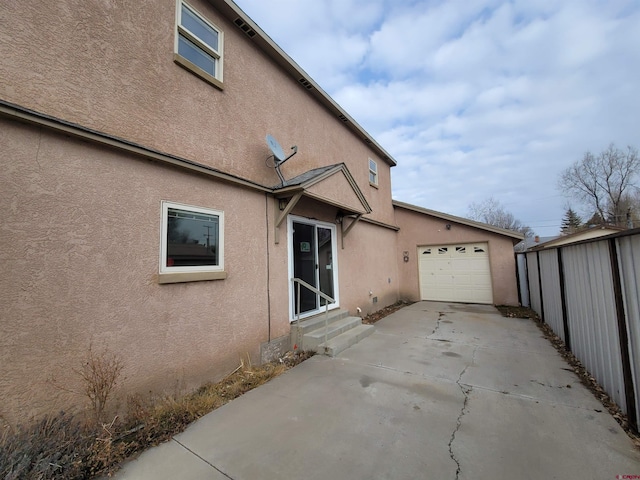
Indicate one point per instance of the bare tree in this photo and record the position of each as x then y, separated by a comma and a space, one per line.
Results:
492, 212
602, 182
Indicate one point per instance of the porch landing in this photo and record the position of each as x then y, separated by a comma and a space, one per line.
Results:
329, 334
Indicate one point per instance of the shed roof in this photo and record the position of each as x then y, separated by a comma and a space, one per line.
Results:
463, 221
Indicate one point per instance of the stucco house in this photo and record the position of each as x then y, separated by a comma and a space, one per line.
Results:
144, 213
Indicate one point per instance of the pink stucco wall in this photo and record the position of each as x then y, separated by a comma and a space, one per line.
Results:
418, 229
111, 68
80, 252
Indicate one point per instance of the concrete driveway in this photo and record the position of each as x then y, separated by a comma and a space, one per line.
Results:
439, 391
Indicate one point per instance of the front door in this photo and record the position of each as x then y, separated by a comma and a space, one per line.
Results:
312, 260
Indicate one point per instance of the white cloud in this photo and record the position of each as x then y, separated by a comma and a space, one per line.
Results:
473, 98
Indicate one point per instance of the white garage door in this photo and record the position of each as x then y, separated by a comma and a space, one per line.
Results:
455, 273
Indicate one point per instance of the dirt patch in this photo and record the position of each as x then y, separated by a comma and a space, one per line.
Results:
380, 314
576, 366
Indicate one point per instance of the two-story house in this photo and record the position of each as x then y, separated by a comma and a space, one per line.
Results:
145, 210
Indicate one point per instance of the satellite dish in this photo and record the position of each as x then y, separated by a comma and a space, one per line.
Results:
275, 148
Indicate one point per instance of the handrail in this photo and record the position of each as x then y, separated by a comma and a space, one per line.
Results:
299, 282
313, 289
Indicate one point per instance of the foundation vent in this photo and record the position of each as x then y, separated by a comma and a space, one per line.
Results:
343, 118
305, 83
245, 28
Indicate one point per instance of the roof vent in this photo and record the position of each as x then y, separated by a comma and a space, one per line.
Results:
343, 118
245, 28
305, 83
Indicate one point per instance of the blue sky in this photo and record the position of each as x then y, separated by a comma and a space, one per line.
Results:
474, 98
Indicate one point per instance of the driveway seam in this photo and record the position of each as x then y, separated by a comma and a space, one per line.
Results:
203, 459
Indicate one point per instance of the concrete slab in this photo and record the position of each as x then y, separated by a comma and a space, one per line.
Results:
169, 460
503, 436
348, 421
438, 391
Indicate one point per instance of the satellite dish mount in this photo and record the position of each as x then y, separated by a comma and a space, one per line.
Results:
278, 154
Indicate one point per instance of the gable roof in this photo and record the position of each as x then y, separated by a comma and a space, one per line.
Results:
332, 184
463, 221
235, 14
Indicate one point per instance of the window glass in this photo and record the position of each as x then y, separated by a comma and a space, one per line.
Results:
200, 29
192, 239
373, 172
460, 249
196, 56
442, 250
200, 43
478, 250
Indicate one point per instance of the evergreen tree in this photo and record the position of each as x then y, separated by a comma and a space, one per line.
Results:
571, 222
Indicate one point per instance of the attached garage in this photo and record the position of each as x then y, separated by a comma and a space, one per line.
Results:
455, 273
446, 258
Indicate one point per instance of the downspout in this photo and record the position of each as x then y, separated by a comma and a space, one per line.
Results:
266, 213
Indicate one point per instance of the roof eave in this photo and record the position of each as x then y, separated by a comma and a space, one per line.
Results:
232, 12
464, 221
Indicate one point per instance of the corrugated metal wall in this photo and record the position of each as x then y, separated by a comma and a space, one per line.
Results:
629, 264
592, 318
523, 281
534, 282
550, 272
589, 294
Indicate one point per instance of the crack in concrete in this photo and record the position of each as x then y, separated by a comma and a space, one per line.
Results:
440, 315
203, 459
466, 390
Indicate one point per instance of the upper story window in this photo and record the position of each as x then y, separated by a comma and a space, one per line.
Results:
192, 239
198, 45
373, 172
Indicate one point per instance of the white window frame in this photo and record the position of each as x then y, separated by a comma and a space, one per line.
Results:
373, 172
216, 54
164, 269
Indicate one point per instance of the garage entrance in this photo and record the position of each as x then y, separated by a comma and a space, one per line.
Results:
455, 273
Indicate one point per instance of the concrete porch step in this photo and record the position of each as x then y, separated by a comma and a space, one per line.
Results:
343, 341
312, 339
317, 321
299, 330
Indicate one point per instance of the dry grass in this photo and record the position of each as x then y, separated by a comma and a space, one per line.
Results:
66, 447
380, 314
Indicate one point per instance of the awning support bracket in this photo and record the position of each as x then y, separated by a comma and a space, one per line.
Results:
345, 231
281, 215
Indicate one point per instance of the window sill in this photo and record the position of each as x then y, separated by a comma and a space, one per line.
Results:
187, 65
184, 277
374, 185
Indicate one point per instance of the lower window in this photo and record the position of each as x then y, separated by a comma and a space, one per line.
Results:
192, 239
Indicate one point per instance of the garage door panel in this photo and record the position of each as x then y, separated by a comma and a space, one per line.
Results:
459, 273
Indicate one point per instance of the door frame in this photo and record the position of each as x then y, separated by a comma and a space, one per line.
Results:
334, 249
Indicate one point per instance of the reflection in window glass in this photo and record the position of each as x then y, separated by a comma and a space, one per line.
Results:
460, 249
196, 55
442, 250
478, 250
427, 252
199, 28
192, 238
